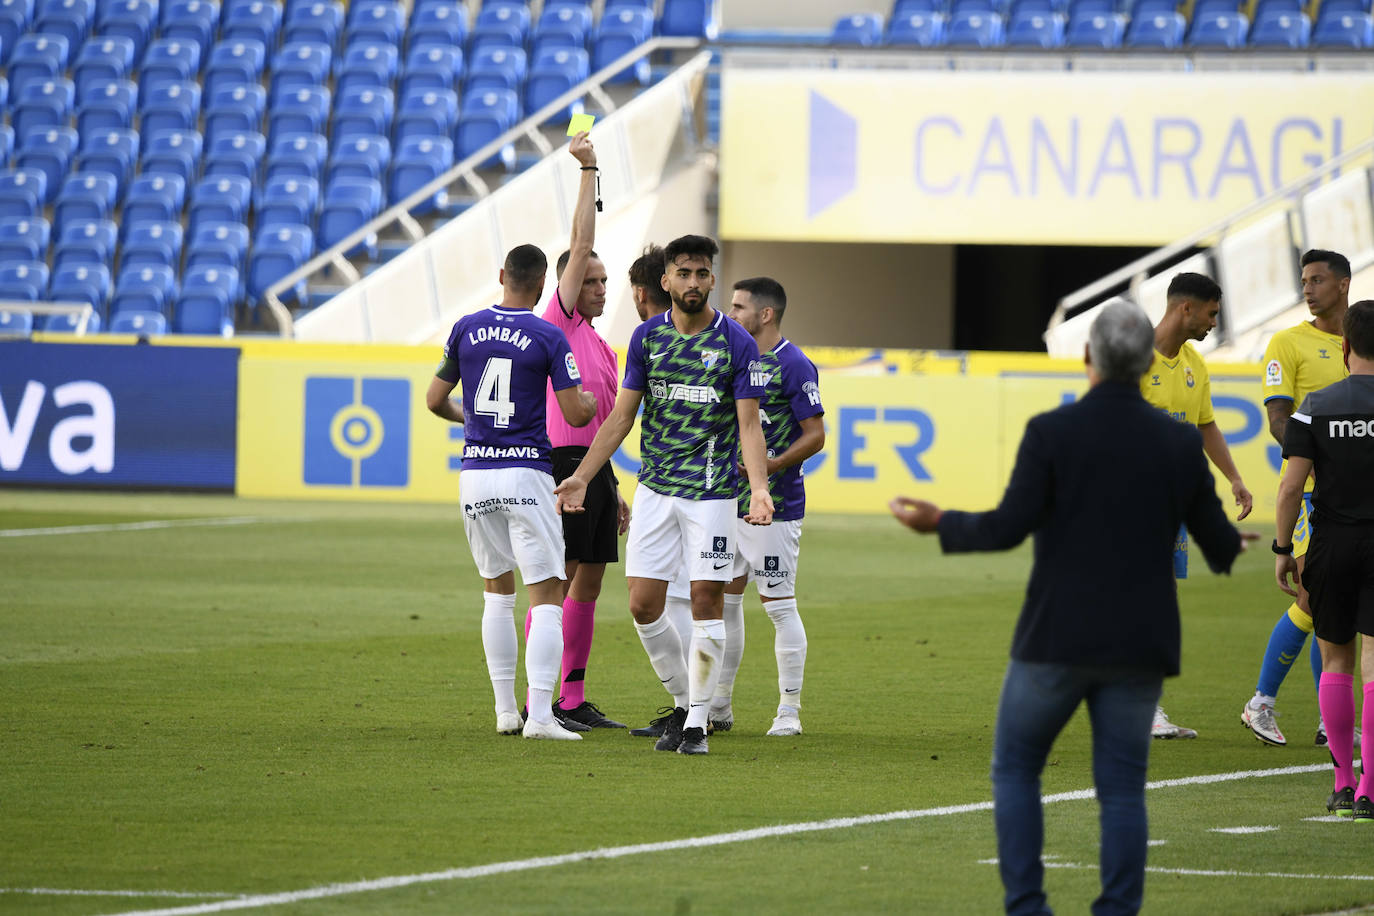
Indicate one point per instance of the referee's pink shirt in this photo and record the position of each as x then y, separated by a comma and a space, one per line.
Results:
600, 375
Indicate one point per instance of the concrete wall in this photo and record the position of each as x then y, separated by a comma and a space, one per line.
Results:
793, 14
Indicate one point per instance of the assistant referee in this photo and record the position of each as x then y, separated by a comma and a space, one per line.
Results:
1331, 435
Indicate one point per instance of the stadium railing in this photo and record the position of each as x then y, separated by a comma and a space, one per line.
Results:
83, 310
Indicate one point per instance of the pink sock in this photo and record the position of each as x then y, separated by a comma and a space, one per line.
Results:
1338, 713
529, 619
1366, 743
578, 620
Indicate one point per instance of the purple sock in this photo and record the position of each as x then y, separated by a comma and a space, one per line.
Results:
1337, 706
1366, 743
578, 620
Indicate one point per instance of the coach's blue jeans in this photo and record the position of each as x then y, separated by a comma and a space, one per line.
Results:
1037, 701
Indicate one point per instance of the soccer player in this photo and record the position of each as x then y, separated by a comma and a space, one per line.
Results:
504, 356
590, 537
791, 412
646, 284
691, 369
1297, 362
1329, 436
1177, 383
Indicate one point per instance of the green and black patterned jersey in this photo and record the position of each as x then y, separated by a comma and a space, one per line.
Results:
791, 393
689, 431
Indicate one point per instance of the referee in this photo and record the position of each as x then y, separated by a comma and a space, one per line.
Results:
1332, 436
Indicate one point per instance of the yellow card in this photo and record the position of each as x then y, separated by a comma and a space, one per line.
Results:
579, 123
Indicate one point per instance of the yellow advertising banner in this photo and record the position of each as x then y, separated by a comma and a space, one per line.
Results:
1028, 157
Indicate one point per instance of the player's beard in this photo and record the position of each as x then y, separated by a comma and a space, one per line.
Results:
689, 308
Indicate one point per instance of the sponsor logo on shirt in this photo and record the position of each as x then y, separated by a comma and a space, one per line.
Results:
1273, 373
720, 550
496, 504
813, 393
1340, 429
493, 452
757, 376
772, 573
695, 394
572, 367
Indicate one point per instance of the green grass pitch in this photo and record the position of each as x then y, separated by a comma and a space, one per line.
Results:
301, 701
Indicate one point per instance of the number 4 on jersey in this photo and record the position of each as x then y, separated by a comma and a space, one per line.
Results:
493, 392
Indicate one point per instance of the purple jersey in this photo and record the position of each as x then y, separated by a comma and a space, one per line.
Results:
791, 393
505, 359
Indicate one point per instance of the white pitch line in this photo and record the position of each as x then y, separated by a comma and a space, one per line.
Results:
718, 839
1241, 831
133, 526
1208, 872
66, 892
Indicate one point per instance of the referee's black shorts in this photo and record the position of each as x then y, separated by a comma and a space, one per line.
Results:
1339, 578
590, 536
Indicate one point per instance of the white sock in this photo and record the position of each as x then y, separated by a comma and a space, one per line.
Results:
708, 647
664, 649
1260, 699
679, 613
789, 645
543, 655
734, 651
501, 646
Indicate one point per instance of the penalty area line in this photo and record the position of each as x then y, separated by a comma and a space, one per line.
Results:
78, 892
257, 901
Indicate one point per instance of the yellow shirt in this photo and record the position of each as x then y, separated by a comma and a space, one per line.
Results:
1180, 386
1301, 360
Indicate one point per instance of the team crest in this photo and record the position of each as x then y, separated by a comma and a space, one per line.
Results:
709, 358
1188, 377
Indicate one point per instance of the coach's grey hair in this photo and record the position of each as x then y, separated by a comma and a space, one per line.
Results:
1121, 342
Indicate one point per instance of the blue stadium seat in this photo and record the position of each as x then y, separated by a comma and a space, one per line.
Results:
442, 25
1264, 7
1218, 30
633, 4
144, 324
1281, 29
320, 21
367, 64
89, 283
50, 152
1080, 8
427, 113
689, 19
1039, 6
169, 60
42, 104
1156, 30
381, 23
113, 152
175, 152
24, 239
924, 29
151, 243
1142, 9
169, 106
288, 200
431, 67
365, 111
4, 93
300, 111
206, 303
348, 204
275, 254
259, 20
500, 24
36, 59
300, 65
622, 30
132, 19
72, 19
22, 192
67, 323
85, 196
154, 197
103, 60
906, 7
222, 199
235, 110
6, 144
14, 322
1343, 30
858, 30
191, 20
974, 29
1096, 30
1035, 29
562, 26
359, 157
1342, 6
495, 68
301, 155
86, 242
501, 102
107, 107
24, 280
144, 288
236, 154
555, 71
1205, 8
235, 63
486, 116
418, 161
219, 244
14, 21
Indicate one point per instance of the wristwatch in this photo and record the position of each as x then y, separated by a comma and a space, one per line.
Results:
1281, 551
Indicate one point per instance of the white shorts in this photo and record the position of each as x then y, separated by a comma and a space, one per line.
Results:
510, 521
671, 535
768, 554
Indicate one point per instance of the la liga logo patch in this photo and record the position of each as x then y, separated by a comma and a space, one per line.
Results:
1273, 373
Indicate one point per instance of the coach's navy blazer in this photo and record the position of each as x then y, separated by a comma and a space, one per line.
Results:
1104, 484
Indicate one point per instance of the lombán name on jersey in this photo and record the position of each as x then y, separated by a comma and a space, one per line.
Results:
492, 452
513, 336
1341, 429
696, 394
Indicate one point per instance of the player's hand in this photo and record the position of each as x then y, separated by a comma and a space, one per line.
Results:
1284, 567
569, 494
1243, 499
582, 150
622, 514
916, 514
760, 508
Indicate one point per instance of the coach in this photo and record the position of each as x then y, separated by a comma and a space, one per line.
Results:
1331, 435
1104, 484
